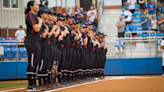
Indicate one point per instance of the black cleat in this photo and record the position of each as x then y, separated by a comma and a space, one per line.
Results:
64, 84
33, 89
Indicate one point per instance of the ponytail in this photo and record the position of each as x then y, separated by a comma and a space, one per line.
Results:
30, 3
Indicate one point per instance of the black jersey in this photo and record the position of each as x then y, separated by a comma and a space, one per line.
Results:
31, 20
61, 41
83, 37
43, 28
66, 39
72, 38
53, 38
89, 44
78, 40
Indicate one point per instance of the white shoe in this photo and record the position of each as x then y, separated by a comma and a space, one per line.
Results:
162, 75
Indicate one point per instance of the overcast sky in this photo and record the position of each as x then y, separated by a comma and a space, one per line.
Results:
52, 3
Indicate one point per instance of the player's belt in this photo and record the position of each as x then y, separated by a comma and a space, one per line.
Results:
68, 44
47, 42
87, 49
37, 34
97, 49
73, 44
53, 41
93, 49
60, 45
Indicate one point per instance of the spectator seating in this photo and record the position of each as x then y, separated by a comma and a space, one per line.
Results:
23, 51
10, 49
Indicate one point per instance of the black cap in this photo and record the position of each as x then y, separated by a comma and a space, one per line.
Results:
42, 11
104, 35
49, 11
74, 22
59, 15
98, 33
77, 21
68, 16
60, 19
55, 14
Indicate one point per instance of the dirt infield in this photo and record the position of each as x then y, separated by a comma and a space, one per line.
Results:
149, 83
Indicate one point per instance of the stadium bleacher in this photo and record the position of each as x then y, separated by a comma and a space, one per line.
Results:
10, 50
137, 17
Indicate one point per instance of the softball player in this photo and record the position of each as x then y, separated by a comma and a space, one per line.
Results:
42, 72
66, 72
78, 54
59, 34
32, 44
84, 41
54, 50
73, 47
49, 23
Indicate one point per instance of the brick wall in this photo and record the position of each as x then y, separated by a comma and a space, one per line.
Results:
11, 33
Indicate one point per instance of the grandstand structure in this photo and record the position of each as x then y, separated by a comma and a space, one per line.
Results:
124, 48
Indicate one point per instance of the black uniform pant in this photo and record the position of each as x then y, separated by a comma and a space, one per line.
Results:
50, 56
87, 61
33, 50
83, 58
62, 53
67, 63
78, 58
54, 52
73, 58
43, 60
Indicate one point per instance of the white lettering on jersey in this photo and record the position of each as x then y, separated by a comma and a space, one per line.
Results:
81, 41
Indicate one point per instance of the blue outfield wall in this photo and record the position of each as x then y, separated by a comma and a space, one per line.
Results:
13, 70
131, 66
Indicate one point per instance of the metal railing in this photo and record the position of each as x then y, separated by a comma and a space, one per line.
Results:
140, 32
125, 46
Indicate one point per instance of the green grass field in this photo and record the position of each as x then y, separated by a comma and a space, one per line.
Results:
7, 85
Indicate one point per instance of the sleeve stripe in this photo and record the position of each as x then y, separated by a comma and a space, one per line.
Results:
31, 18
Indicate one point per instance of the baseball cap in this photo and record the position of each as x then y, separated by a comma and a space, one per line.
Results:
60, 19
68, 16
49, 12
42, 11
74, 22
56, 14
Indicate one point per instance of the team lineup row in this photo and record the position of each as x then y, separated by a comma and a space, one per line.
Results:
66, 51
